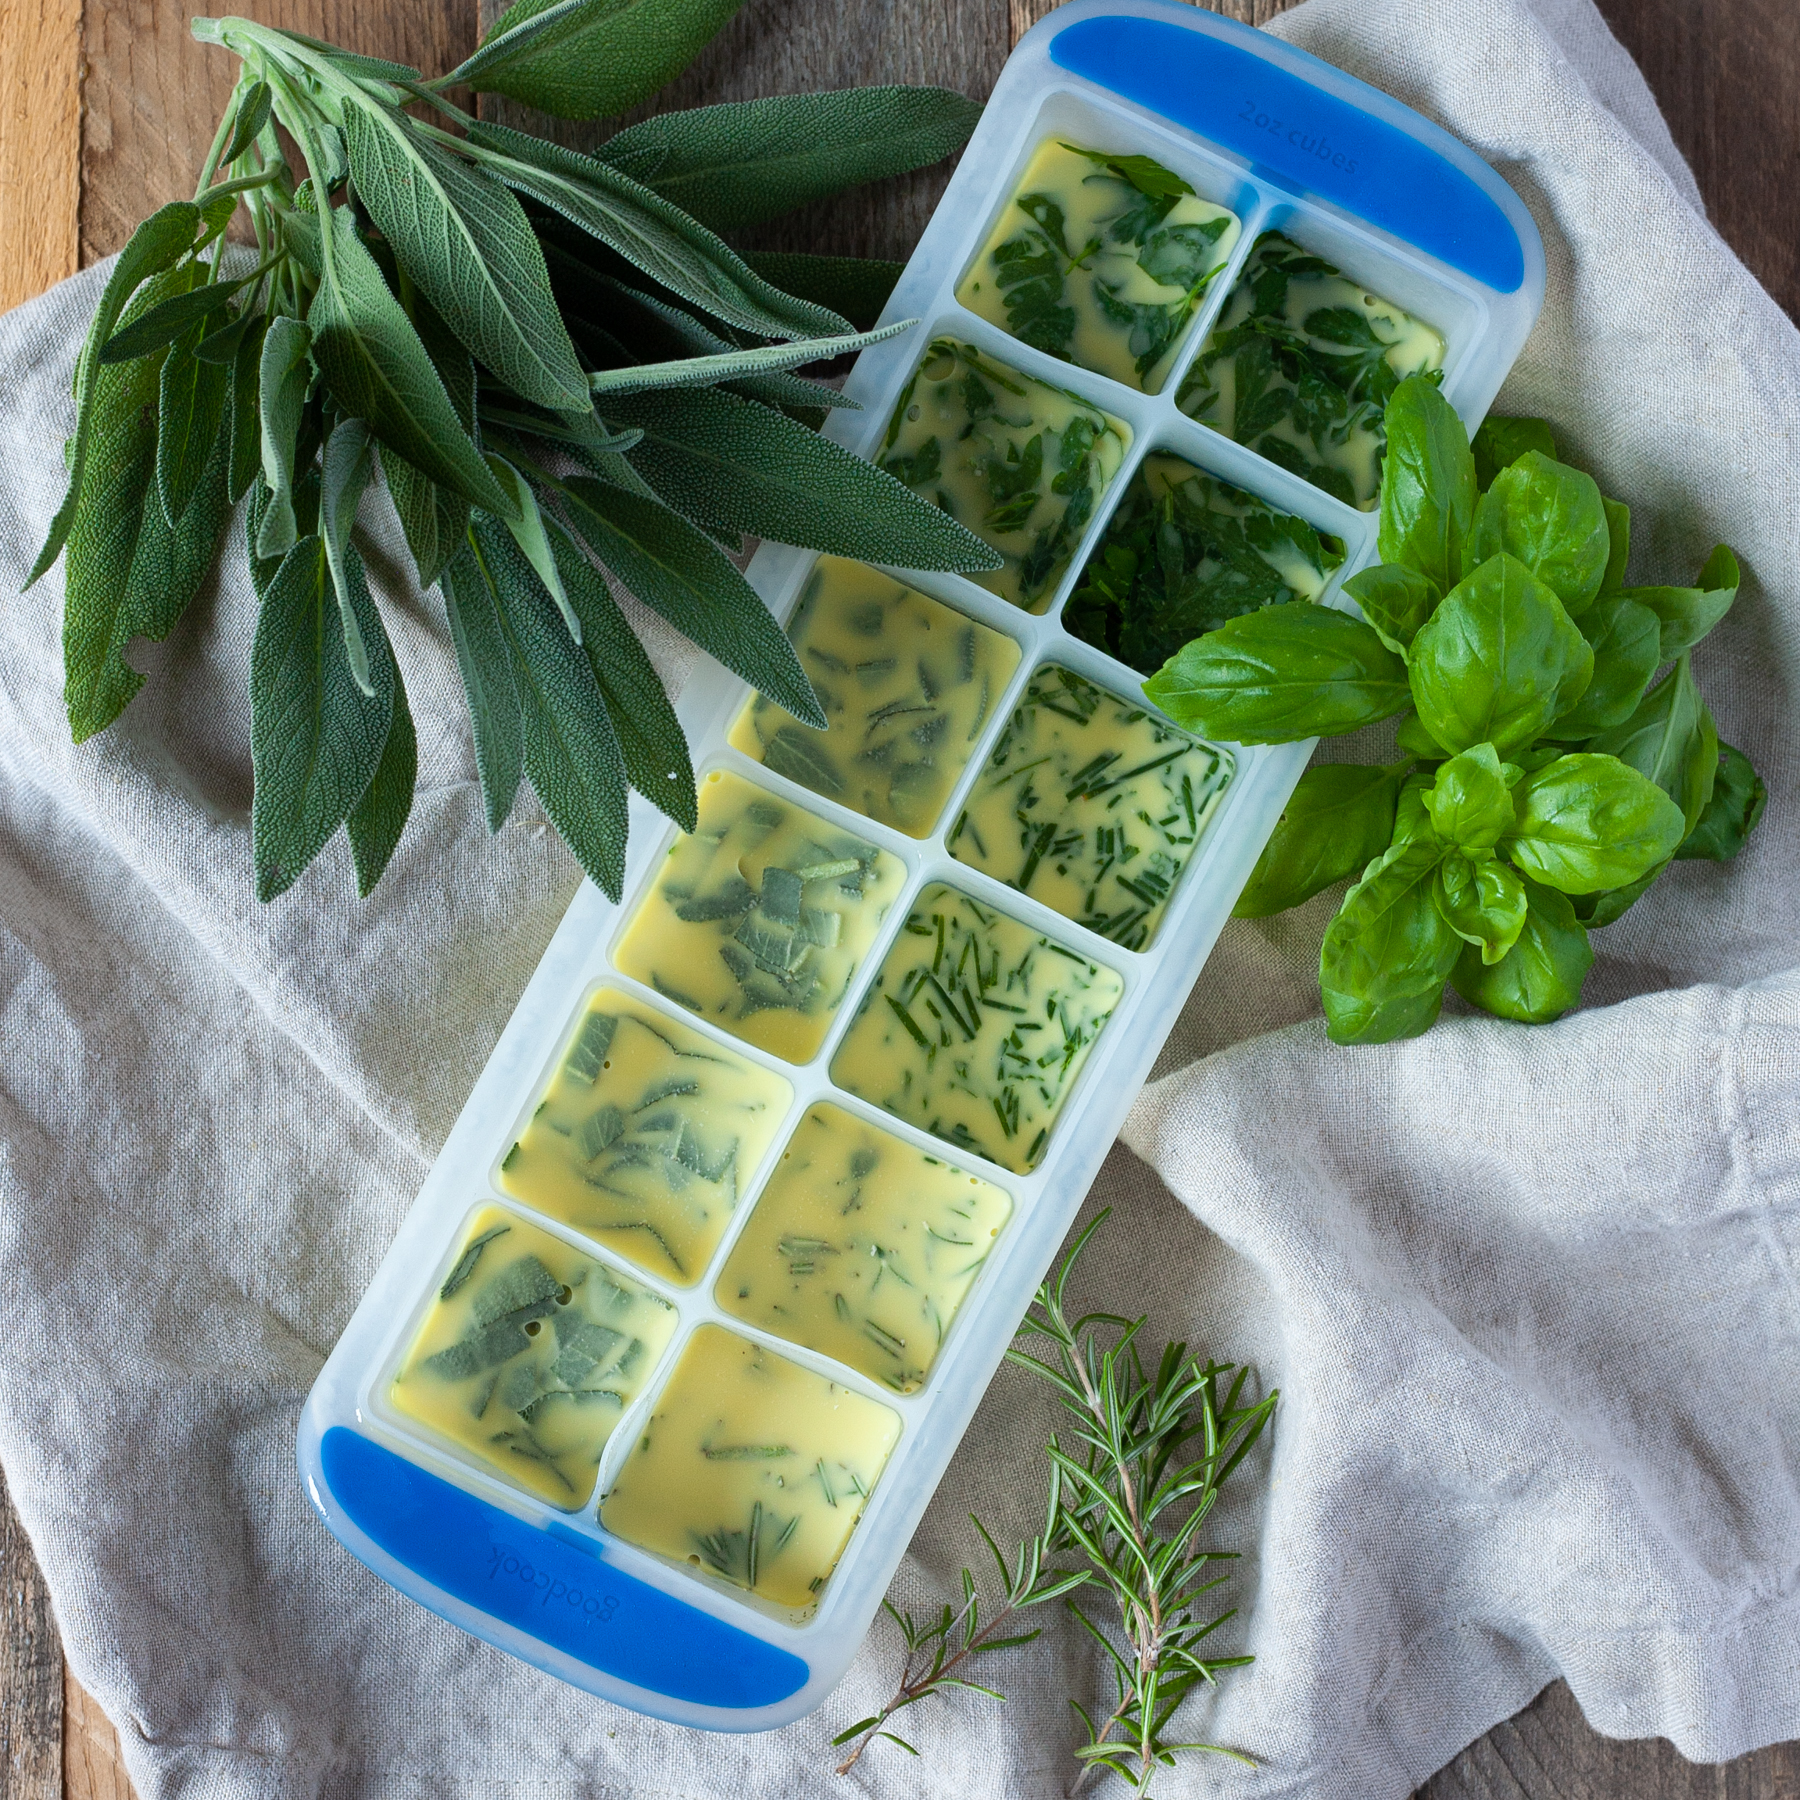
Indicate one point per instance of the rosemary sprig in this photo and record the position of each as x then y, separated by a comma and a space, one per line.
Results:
1153, 1451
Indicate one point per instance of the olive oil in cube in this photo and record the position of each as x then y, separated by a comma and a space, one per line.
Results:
751, 1469
646, 1136
530, 1355
1092, 804
759, 919
1182, 553
976, 1028
862, 1248
1100, 259
1300, 366
906, 683
1019, 462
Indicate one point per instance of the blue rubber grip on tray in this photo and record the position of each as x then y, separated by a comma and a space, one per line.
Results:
1305, 137
568, 1599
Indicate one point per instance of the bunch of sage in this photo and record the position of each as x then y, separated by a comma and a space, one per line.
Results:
555, 363
1546, 775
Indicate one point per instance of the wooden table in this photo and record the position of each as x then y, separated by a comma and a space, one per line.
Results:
105, 111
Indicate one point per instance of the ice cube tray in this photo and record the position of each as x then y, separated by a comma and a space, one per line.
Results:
1286, 143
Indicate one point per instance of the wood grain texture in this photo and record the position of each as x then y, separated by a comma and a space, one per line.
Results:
93, 1769
31, 1671
40, 145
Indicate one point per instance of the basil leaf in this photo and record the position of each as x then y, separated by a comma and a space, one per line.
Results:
1413, 738
1540, 977
378, 370
1498, 660
161, 240
1499, 443
1427, 484
486, 667
1386, 955
1731, 814
1589, 822
677, 571
739, 164
379, 817
315, 741
1482, 901
733, 463
190, 403
1597, 910
1394, 599
466, 242
571, 752
1618, 544
857, 287
1338, 820
1551, 518
1670, 738
1283, 672
1411, 820
1471, 803
1625, 639
284, 376
343, 475
1686, 615
587, 59
243, 408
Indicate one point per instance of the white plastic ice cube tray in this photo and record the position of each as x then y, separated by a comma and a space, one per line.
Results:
1286, 142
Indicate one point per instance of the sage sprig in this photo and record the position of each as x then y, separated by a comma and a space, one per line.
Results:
549, 366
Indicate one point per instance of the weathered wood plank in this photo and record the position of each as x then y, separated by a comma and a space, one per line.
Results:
40, 145
31, 1671
93, 1769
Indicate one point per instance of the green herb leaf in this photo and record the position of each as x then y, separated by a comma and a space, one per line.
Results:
1552, 519
1597, 910
243, 408
159, 242
1338, 820
1470, 804
529, 533
1587, 823
855, 286
1540, 977
1670, 738
1498, 660
1618, 551
1428, 484
588, 59
1483, 902
315, 740
378, 818
733, 463
486, 667
1499, 443
677, 571
1686, 615
284, 375
348, 460
1413, 738
1731, 814
1387, 954
171, 319
1281, 673
1625, 640
705, 371
253, 107
432, 518
739, 164
190, 403
1394, 599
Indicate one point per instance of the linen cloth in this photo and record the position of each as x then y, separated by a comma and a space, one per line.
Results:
1530, 1295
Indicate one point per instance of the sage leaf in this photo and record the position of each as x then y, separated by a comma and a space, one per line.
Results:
660, 239
432, 519
1671, 739
159, 242
736, 165
1395, 600
253, 108
744, 467
1588, 822
1428, 484
1338, 819
243, 410
1618, 544
571, 752
1540, 977
1498, 660
705, 371
1626, 639
855, 286
466, 242
378, 370
315, 739
1470, 804
1552, 519
529, 533
379, 817
486, 667
677, 571
1482, 901
284, 375
190, 403
588, 59
1686, 615
1284, 672
1731, 814
348, 460
1386, 955
1499, 443
170, 320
